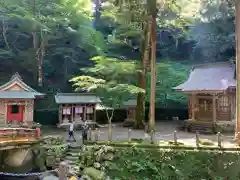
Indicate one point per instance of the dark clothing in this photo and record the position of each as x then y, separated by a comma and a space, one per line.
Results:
85, 128
71, 135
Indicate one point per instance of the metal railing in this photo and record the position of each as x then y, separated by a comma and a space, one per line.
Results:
14, 133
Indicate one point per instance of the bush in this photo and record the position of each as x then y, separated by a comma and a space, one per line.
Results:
140, 164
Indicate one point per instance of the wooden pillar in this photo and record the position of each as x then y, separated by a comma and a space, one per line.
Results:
5, 111
84, 112
94, 113
134, 112
214, 109
60, 113
72, 115
193, 108
237, 36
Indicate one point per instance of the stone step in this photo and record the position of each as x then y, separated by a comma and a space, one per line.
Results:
75, 150
75, 146
71, 158
71, 153
71, 163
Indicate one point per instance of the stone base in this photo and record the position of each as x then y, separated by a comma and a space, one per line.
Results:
225, 126
208, 126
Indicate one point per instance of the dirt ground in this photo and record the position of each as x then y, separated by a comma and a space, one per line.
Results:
164, 131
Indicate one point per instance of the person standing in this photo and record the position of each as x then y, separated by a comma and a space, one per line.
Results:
85, 128
71, 132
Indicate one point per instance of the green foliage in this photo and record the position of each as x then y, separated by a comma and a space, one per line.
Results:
65, 30
110, 80
168, 75
140, 164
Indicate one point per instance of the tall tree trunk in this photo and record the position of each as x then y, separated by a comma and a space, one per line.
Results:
237, 34
153, 10
38, 51
140, 109
97, 13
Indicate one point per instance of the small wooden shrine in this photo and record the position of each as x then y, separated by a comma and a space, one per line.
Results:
211, 90
17, 101
130, 106
76, 107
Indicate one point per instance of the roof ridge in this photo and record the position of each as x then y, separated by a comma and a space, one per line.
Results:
72, 94
212, 64
16, 77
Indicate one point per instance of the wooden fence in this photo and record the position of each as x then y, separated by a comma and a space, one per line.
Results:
94, 136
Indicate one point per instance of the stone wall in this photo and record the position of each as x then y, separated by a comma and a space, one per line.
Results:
40, 157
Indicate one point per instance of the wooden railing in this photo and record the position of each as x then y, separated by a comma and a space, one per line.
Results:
19, 133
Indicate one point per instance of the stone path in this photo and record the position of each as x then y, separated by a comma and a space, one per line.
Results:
72, 154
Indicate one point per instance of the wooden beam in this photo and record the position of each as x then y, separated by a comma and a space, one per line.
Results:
94, 111
60, 114
214, 109
193, 99
84, 112
237, 30
72, 115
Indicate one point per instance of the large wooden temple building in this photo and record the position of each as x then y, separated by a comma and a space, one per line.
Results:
17, 101
211, 94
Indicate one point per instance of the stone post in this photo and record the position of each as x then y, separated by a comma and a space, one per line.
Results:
175, 137
63, 171
197, 140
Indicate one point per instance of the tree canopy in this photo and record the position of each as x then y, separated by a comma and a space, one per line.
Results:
61, 36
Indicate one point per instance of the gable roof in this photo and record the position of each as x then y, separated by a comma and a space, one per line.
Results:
210, 77
28, 93
85, 98
76, 98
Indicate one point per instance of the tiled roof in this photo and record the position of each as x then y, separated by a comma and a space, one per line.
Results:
84, 98
130, 102
76, 98
16, 95
16, 78
210, 77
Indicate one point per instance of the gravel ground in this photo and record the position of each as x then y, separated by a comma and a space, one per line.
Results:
164, 131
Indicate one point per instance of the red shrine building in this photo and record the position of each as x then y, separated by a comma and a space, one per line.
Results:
17, 101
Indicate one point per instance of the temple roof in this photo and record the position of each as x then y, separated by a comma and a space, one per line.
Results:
76, 98
85, 98
24, 91
210, 77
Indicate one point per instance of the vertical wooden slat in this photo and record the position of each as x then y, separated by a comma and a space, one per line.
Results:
190, 107
60, 114
72, 115
84, 112
214, 109
237, 26
193, 106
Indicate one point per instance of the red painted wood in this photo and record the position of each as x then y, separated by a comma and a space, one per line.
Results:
18, 116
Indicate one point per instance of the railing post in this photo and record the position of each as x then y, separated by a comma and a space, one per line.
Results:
96, 134
129, 135
90, 134
152, 137
175, 137
38, 132
197, 139
99, 133
219, 139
